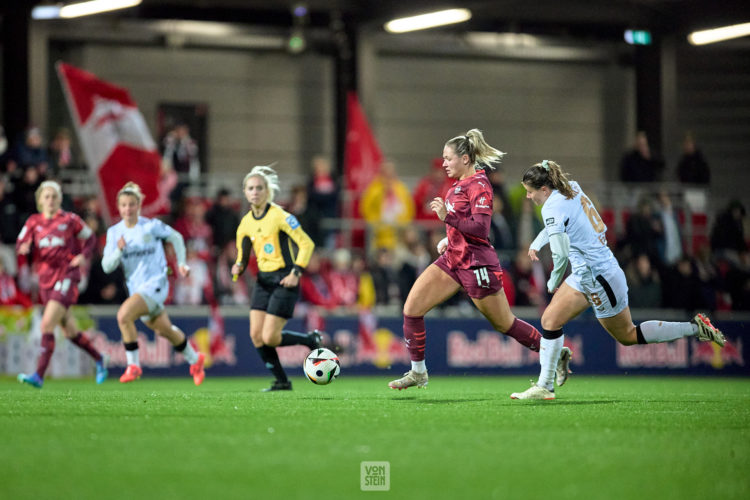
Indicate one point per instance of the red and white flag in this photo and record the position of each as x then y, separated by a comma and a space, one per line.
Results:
115, 140
362, 157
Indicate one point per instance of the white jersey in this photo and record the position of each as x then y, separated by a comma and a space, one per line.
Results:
143, 259
579, 219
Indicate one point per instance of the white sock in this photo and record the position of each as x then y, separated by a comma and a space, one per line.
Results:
132, 357
665, 331
549, 353
190, 355
418, 366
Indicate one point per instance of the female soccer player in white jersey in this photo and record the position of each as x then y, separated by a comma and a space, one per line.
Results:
575, 232
137, 243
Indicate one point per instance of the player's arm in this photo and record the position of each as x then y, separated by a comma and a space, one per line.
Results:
305, 246
89, 242
23, 244
112, 253
477, 225
178, 242
541, 239
244, 246
559, 244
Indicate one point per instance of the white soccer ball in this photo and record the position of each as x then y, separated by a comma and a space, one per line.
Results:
322, 366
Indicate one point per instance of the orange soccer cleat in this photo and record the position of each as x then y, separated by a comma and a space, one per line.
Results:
197, 371
132, 372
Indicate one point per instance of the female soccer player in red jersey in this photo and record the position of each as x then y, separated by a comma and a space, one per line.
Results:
60, 243
467, 258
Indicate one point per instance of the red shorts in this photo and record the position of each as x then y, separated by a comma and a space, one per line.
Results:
64, 291
479, 282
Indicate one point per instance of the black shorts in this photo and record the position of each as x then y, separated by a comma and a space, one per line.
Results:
271, 297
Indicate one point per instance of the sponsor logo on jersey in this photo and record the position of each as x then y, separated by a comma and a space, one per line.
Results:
549, 221
53, 241
268, 248
292, 221
449, 206
62, 227
482, 203
147, 238
139, 253
457, 190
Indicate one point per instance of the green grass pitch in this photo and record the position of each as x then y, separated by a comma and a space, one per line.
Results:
461, 438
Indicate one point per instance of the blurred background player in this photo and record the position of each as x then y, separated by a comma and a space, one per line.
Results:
60, 244
467, 259
136, 242
283, 250
575, 232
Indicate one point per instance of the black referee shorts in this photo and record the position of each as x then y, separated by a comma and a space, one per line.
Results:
271, 297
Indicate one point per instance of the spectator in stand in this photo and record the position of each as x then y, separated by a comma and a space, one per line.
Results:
190, 290
343, 282
412, 257
682, 287
60, 153
10, 295
639, 164
384, 277
501, 233
529, 280
223, 219
194, 228
181, 155
315, 286
9, 221
29, 152
692, 167
307, 215
104, 288
728, 232
433, 185
387, 206
227, 290
644, 283
24, 192
323, 193
644, 233
738, 282
671, 250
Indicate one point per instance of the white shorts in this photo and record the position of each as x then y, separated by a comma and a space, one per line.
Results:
154, 294
606, 290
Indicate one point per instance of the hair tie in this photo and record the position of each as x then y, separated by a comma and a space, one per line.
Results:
545, 165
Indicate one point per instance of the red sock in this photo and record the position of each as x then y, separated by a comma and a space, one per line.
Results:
84, 343
47, 348
414, 333
525, 334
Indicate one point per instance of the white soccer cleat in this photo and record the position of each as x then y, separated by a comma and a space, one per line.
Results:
563, 366
534, 392
707, 331
410, 379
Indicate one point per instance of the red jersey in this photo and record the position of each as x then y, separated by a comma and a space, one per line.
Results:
465, 198
54, 243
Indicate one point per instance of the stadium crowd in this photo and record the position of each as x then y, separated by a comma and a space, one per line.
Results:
394, 236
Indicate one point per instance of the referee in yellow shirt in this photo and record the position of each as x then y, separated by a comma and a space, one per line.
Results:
283, 250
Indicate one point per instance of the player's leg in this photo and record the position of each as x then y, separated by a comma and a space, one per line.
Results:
133, 308
496, 309
53, 313
281, 305
434, 286
78, 338
622, 329
163, 326
566, 304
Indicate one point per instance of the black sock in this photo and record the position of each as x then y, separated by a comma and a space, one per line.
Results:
639, 335
271, 358
295, 338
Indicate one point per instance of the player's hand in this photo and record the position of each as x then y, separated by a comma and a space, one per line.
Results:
121, 243
236, 270
437, 205
23, 248
290, 280
78, 261
442, 246
184, 270
532, 255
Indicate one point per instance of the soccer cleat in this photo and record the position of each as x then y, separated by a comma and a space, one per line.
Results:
279, 386
101, 369
132, 372
410, 379
197, 371
707, 331
534, 392
563, 366
317, 338
33, 380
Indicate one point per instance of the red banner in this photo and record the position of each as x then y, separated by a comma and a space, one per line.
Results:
115, 140
362, 156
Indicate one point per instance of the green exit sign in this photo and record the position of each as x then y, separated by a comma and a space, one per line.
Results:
638, 37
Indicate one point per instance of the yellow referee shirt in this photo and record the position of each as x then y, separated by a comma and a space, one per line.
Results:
276, 238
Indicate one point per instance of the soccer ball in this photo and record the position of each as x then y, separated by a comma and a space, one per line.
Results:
322, 366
